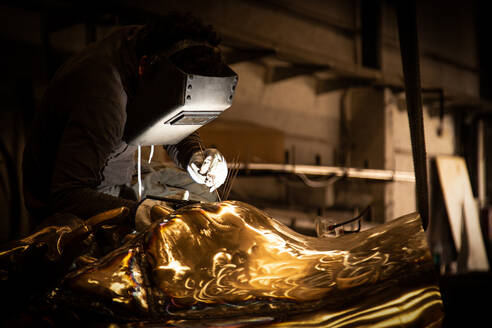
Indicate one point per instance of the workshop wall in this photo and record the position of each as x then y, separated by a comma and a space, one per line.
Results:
378, 137
287, 114
440, 139
310, 122
447, 44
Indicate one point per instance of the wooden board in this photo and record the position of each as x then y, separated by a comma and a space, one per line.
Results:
462, 210
253, 143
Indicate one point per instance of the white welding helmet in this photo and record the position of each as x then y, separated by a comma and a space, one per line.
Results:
170, 104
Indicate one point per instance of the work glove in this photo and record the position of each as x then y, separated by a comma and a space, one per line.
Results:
208, 167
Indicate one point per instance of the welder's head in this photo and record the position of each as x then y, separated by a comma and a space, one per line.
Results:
185, 40
183, 82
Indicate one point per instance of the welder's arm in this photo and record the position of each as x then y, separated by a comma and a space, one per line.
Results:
181, 152
205, 166
94, 128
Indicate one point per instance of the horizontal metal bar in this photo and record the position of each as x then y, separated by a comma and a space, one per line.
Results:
369, 174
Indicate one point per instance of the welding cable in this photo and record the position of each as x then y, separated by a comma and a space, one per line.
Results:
151, 153
139, 171
406, 14
318, 184
358, 217
305, 181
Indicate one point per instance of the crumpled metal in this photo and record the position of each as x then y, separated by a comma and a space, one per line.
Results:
37, 261
230, 263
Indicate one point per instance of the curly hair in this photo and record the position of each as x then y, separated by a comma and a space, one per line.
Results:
174, 27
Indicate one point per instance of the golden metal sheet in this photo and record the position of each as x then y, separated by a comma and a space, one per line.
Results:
217, 260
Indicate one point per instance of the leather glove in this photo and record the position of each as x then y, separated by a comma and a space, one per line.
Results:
208, 167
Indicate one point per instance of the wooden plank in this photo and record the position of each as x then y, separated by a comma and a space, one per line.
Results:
462, 211
253, 143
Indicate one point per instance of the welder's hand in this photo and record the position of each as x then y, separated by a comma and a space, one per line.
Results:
208, 167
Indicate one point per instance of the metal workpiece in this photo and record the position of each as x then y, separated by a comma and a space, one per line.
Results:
230, 262
32, 265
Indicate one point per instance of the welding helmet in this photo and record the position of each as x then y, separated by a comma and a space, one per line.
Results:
171, 103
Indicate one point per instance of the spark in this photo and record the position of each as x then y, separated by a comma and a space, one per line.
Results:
177, 267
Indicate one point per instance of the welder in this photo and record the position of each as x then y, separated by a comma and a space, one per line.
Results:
142, 85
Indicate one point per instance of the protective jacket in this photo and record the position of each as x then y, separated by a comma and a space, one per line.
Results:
76, 150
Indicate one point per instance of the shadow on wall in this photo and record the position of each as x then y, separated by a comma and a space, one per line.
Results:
16, 108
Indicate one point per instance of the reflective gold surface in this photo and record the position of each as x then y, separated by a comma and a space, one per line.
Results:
119, 279
234, 252
227, 259
60, 231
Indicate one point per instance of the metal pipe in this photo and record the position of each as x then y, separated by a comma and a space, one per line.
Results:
406, 13
349, 172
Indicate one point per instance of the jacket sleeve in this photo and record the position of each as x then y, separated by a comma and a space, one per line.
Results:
94, 128
181, 152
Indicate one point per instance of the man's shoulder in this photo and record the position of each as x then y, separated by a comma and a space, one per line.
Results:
97, 67
92, 77
99, 71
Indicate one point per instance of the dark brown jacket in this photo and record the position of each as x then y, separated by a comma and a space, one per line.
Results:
76, 147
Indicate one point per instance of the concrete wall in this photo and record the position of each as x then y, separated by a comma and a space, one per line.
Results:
401, 196
447, 43
379, 135
309, 121
379, 138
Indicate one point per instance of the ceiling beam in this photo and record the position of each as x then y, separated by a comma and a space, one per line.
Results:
276, 73
337, 83
238, 55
